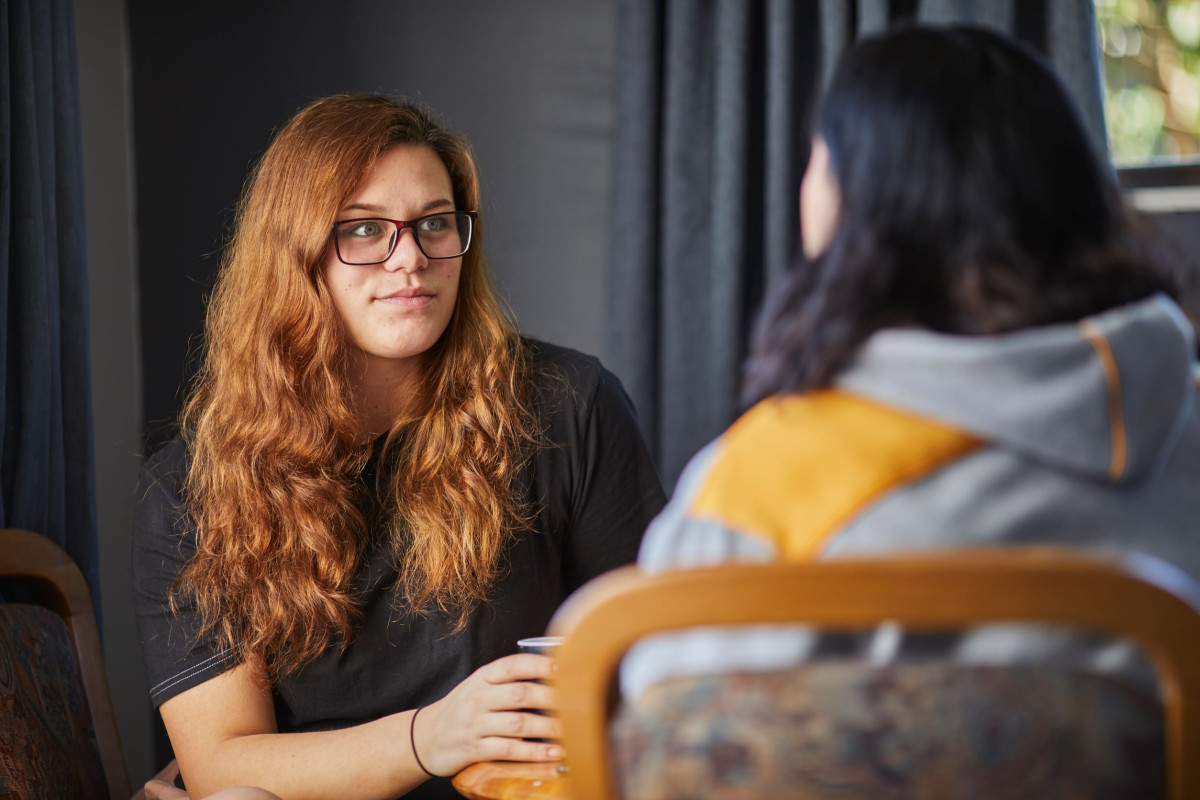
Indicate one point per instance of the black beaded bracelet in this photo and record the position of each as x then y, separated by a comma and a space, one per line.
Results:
412, 739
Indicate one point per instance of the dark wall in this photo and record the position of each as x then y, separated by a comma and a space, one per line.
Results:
102, 41
528, 82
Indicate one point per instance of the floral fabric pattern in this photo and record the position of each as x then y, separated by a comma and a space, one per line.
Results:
847, 730
47, 743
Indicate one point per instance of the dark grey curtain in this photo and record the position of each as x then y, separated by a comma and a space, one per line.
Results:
46, 482
712, 113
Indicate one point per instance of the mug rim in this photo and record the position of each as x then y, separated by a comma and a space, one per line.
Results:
540, 641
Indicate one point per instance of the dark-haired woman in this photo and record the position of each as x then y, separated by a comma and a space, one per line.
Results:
977, 349
378, 488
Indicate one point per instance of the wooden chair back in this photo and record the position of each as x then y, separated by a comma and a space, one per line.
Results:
60, 587
1147, 600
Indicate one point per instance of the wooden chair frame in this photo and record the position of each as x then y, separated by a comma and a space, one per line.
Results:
1145, 599
62, 589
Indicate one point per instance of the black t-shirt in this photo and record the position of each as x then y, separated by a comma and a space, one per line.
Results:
593, 487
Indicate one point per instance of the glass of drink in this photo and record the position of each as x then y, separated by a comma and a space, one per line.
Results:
542, 646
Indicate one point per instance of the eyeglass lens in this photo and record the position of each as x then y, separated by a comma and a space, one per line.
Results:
370, 241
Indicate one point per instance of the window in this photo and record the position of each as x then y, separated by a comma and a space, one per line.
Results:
1151, 54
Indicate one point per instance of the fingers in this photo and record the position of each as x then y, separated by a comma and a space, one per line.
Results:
482, 697
489, 736
488, 717
504, 749
520, 725
515, 695
520, 695
519, 667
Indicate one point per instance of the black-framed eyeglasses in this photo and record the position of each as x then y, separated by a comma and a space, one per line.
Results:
372, 240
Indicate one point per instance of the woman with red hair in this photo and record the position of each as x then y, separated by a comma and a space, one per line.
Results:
378, 486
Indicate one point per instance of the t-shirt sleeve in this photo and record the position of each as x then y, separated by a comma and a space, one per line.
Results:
617, 491
163, 540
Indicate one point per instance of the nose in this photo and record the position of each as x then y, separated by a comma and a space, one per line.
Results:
406, 255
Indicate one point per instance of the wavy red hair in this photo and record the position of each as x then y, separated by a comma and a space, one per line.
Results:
275, 447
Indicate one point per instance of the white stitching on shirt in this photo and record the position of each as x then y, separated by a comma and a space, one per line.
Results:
170, 681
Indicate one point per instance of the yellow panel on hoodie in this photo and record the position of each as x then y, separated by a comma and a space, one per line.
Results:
794, 470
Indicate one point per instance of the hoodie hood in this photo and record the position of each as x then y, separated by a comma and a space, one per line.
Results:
1105, 398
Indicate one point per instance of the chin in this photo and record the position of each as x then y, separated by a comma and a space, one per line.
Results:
397, 354
401, 351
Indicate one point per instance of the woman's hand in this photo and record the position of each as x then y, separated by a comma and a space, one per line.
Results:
482, 719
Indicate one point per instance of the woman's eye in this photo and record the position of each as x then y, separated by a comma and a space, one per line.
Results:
365, 229
434, 224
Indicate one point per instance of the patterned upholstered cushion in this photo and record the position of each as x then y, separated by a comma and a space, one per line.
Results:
929, 730
47, 744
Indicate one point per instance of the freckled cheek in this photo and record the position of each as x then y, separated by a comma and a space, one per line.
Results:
349, 288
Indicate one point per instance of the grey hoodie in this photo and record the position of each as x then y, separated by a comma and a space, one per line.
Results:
1093, 440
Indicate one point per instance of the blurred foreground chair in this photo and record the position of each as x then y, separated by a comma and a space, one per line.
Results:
58, 735
666, 735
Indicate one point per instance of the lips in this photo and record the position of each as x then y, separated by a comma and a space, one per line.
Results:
410, 297
411, 291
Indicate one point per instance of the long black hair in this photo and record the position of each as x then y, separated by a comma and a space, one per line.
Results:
972, 202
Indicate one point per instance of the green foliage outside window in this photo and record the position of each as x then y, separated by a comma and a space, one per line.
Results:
1151, 52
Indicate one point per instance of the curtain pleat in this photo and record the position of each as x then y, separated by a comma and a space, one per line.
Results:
837, 25
634, 327
688, 257
792, 39
1074, 50
46, 481
874, 16
713, 99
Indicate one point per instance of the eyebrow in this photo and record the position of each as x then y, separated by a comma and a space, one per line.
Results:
378, 209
